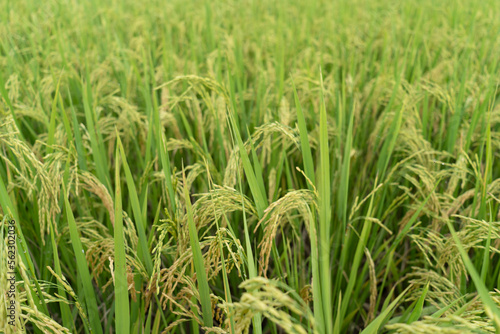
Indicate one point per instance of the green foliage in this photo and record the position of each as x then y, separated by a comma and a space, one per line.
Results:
265, 167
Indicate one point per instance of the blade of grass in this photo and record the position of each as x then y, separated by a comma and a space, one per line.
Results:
67, 126
201, 276
53, 116
390, 143
83, 269
259, 197
143, 249
122, 311
319, 313
65, 310
325, 211
417, 311
345, 174
164, 158
491, 307
101, 163
443, 310
252, 270
80, 149
376, 324
304, 139
363, 240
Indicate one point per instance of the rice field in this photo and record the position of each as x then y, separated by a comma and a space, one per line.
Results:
308, 167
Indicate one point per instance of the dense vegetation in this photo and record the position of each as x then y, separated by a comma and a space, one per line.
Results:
234, 166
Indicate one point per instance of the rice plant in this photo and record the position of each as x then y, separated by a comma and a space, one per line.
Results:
304, 167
